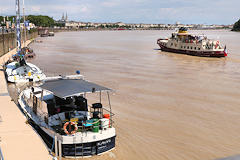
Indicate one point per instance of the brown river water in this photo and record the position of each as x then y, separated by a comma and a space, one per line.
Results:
168, 106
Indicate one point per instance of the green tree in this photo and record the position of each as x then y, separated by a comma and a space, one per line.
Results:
236, 26
41, 21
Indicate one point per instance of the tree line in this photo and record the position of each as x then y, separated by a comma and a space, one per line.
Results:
236, 26
38, 20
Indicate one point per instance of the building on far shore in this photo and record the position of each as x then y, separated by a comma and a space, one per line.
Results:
64, 22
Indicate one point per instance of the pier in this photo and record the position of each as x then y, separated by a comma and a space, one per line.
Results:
18, 139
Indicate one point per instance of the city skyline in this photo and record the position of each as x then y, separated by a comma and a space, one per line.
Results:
133, 11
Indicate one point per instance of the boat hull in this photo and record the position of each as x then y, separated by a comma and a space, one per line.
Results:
78, 149
71, 149
216, 54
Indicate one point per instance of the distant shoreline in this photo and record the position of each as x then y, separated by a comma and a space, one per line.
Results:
42, 30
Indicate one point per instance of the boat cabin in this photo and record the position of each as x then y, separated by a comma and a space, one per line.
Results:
63, 106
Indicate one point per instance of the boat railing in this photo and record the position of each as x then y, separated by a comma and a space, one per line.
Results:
111, 115
64, 77
57, 121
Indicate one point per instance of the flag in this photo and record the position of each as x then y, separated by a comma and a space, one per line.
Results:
225, 51
26, 23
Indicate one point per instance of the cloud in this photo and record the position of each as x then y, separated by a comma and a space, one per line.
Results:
110, 3
133, 11
84, 9
35, 9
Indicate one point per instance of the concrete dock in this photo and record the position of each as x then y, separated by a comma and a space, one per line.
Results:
17, 139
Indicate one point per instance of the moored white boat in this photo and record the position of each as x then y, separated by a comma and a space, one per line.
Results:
28, 72
18, 70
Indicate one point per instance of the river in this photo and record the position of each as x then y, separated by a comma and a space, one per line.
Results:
168, 106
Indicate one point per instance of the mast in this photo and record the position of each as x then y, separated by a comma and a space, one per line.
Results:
24, 19
18, 31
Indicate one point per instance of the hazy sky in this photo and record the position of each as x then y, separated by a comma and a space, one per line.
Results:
133, 11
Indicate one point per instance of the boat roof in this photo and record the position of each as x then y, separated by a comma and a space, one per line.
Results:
64, 88
183, 34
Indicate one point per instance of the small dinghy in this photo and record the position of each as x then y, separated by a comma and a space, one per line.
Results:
28, 53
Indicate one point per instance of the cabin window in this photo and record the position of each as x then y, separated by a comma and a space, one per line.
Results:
191, 47
199, 48
181, 47
195, 48
184, 46
171, 44
187, 47
59, 105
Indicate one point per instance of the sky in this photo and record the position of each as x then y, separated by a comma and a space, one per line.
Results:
133, 11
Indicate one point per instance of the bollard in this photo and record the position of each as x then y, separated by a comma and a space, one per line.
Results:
56, 146
60, 149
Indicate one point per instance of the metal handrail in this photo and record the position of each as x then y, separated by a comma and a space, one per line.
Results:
83, 128
43, 116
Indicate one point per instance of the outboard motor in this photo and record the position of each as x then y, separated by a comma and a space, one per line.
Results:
22, 62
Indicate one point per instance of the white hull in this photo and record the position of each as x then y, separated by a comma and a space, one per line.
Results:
23, 74
101, 138
194, 45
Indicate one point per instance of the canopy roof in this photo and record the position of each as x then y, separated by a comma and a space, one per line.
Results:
64, 88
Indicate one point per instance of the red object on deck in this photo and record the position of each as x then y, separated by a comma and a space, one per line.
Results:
108, 117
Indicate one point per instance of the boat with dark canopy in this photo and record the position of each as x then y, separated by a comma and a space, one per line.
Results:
60, 108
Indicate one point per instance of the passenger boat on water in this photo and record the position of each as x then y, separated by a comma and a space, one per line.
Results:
59, 107
184, 43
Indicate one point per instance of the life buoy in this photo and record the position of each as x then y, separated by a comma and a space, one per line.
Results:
68, 128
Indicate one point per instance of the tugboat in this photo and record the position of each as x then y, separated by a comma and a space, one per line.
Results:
18, 70
51, 34
45, 34
61, 110
184, 43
